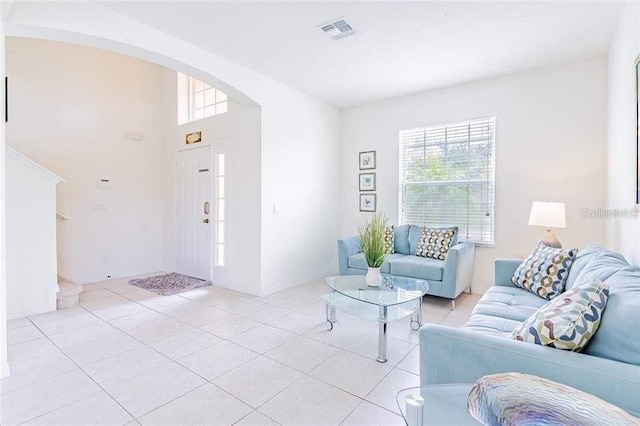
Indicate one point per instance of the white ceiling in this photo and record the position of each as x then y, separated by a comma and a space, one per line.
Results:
400, 47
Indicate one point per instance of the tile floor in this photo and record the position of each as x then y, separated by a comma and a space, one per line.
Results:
209, 356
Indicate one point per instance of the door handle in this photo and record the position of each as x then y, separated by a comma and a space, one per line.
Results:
206, 207
205, 220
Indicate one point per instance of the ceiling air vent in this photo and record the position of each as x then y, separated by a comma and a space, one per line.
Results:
337, 28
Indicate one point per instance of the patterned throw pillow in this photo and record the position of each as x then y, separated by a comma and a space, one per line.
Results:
522, 399
569, 320
389, 239
435, 242
545, 271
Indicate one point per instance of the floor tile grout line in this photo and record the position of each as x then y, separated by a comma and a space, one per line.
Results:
279, 392
253, 410
84, 396
261, 322
44, 335
110, 396
169, 402
188, 369
372, 403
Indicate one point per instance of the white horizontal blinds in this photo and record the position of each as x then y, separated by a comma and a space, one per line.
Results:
447, 177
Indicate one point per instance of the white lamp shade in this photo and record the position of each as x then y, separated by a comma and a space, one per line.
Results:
548, 214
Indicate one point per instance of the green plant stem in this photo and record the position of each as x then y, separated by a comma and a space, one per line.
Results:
372, 240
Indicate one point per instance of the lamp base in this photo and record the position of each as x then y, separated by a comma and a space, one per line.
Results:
550, 240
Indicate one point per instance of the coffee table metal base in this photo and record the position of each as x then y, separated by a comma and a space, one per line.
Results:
383, 320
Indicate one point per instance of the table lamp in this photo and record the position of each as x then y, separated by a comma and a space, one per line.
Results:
549, 215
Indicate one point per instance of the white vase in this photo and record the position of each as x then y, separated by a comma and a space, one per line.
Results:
373, 277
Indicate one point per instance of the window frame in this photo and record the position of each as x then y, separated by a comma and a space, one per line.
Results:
219, 221
490, 179
186, 102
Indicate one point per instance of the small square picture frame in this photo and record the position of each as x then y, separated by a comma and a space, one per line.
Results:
367, 202
367, 160
367, 182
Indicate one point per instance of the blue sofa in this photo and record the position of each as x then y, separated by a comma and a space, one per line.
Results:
447, 278
609, 367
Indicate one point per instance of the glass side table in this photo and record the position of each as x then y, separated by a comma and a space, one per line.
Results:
443, 404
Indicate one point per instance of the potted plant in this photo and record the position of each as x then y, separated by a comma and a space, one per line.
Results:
372, 246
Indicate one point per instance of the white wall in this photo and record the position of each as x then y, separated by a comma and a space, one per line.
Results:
290, 257
236, 134
623, 233
4, 365
550, 133
72, 116
300, 175
31, 238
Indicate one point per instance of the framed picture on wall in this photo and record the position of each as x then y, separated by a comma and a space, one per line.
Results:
367, 160
194, 137
637, 185
367, 202
367, 181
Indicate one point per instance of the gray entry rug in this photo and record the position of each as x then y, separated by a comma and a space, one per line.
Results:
169, 284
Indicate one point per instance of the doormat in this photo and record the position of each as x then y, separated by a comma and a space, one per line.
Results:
169, 284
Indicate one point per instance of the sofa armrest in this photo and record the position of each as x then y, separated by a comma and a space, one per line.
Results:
347, 247
449, 355
504, 269
458, 269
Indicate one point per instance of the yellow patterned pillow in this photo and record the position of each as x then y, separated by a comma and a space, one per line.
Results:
435, 242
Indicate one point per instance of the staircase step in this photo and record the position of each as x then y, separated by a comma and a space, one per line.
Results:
69, 294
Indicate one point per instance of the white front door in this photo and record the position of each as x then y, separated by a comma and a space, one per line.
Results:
193, 209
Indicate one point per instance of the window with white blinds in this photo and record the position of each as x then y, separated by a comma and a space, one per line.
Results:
447, 177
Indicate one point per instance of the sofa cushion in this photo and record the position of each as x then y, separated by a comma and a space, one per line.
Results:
414, 237
581, 260
401, 239
617, 337
569, 320
435, 242
601, 266
357, 261
389, 236
502, 309
418, 267
545, 271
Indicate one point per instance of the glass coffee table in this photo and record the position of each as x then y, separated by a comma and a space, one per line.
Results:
444, 404
396, 298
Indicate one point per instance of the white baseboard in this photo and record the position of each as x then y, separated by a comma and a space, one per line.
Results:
4, 370
117, 276
42, 310
305, 280
239, 288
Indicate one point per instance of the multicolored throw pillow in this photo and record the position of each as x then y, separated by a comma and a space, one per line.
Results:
545, 271
389, 239
568, 321
512, 399
435, 242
